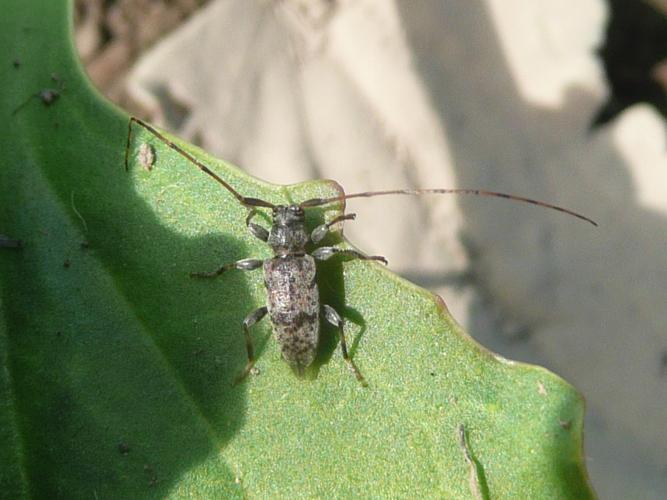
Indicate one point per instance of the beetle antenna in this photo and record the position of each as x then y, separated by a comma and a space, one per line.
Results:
249, 202
316, 202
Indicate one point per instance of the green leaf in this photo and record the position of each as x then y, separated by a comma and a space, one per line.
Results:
117, 367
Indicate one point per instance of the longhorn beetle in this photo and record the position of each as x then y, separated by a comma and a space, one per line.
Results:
289, 276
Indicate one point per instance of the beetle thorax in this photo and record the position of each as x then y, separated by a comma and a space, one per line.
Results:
288, 232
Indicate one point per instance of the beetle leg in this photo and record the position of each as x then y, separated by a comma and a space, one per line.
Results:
334, 318
257, 230
250, 320
243, 265
321, 231
323, 253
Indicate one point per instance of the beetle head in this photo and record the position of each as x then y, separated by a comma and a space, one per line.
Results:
288, 215
288, 231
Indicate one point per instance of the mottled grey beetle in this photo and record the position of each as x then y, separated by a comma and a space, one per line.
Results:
289, 276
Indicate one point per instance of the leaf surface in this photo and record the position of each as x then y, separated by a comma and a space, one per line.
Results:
117, 367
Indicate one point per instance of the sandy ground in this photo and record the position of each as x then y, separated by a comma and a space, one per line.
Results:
496, 94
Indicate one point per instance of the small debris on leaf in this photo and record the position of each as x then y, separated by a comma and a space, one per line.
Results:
7, 242
147, 156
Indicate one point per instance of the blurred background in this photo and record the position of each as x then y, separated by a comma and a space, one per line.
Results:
560, 100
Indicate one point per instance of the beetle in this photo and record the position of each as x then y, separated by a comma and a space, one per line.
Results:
293, 304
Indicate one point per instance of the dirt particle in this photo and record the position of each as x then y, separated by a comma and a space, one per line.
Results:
6, 242
147, 156
152, 476
541, 389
